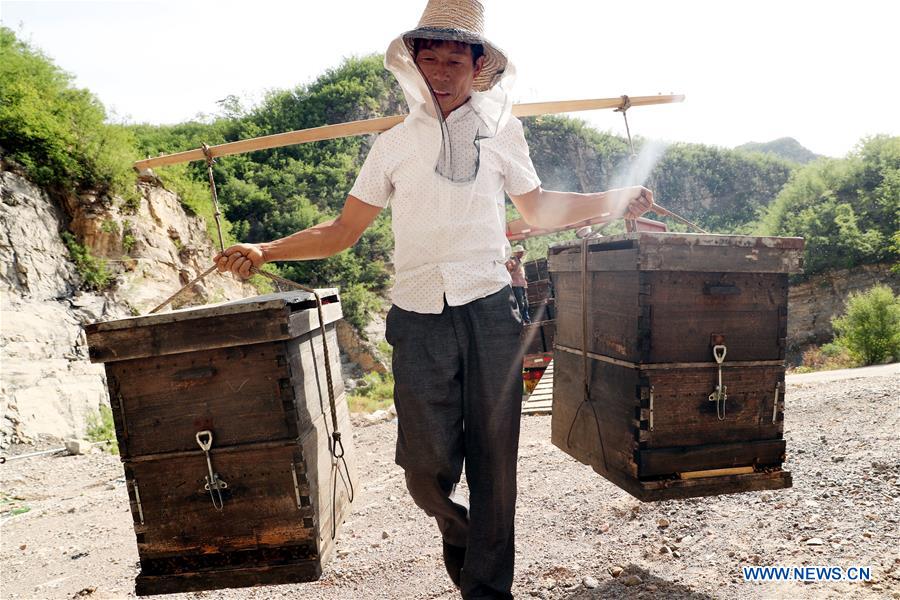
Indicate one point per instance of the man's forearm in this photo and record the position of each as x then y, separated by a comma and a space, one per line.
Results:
321, 241
557, 209
549, 209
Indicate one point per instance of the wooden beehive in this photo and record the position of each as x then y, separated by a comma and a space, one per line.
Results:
248, 380
657, 304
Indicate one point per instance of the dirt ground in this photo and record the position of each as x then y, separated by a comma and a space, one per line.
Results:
578, 536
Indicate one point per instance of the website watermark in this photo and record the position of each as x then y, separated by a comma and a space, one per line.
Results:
807, 573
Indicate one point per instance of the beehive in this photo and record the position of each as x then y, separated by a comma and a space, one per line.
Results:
660, 307
225, 429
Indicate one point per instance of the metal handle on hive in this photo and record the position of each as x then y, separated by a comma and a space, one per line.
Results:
720, 395
214, 485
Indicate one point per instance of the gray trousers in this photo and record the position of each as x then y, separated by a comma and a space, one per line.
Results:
458, 393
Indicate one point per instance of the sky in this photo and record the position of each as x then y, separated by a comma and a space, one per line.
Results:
822, 72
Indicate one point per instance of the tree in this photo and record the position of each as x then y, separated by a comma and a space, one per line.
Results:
848, 210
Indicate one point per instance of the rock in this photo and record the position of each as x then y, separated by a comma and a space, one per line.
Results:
631, 580
663, 523
378, 416
85, 591
589, 582
385, 535
838, 458
815, 542
604, 527
23, 546
616, 571
76, 446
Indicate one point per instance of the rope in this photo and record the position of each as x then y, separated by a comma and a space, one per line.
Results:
215, 196
585, 371
623, 108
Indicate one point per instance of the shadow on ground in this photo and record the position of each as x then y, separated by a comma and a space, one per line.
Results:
650, 586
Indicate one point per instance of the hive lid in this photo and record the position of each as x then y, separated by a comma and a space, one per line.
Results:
293, 300
266, 318
638, 238
663, 251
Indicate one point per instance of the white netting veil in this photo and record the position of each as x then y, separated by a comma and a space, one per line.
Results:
452, 148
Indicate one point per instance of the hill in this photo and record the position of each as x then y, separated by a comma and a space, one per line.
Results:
787, 148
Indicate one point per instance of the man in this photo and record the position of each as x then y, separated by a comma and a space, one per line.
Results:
519, 283
454, 324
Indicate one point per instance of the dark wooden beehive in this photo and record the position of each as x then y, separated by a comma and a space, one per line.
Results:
657, 304
247, 379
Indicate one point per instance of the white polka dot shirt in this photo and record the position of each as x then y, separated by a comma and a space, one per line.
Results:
449, 238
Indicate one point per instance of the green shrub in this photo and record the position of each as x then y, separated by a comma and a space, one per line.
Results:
100, 428
870, 327
358, 303
95, 275
378, 393
128, 239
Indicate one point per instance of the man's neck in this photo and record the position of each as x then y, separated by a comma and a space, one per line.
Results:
448, 113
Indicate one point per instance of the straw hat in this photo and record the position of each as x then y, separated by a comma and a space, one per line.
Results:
460, 21
516, 249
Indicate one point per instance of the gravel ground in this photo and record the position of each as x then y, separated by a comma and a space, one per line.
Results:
578, 536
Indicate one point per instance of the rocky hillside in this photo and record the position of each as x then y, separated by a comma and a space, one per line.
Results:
813, 303
48, 386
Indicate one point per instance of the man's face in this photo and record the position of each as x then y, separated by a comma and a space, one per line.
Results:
449, 70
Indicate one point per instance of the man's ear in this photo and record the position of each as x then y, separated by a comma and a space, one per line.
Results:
479, 64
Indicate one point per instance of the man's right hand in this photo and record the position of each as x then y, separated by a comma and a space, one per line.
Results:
238, 259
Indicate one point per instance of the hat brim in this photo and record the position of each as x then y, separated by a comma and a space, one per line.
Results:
494, 59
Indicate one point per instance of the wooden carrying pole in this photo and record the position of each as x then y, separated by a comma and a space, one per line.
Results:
377, 125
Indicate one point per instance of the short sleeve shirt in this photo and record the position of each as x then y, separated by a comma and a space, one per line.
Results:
449, 238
